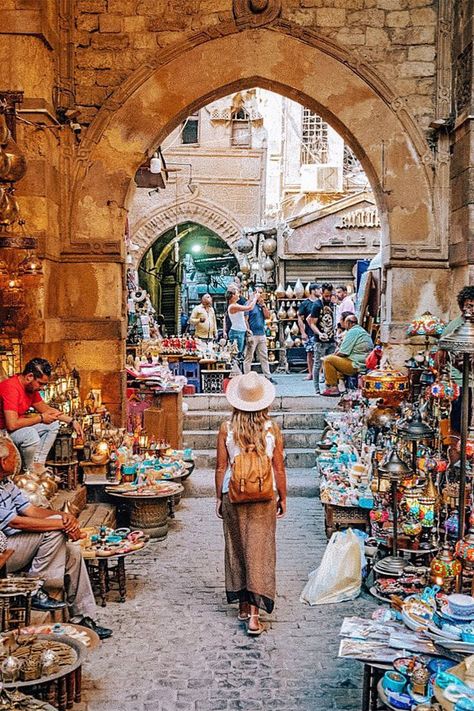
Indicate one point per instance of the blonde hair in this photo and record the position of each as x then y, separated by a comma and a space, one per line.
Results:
249, 430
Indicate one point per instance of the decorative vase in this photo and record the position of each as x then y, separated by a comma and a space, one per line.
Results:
290, 294
287, 332
299, 289
297, 342
280, 291
306, 289
282, 313
271, 357
289, 342
291, 313
295, 329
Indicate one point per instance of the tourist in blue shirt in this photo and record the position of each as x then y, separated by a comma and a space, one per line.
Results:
256, 339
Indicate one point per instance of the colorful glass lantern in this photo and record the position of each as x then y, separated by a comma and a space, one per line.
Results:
427, 511
426, 325
444, 568
389, 385
412, 503
445, 389
465, 548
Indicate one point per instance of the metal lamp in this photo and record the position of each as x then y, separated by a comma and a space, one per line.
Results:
414, 430
461, 341
395, 469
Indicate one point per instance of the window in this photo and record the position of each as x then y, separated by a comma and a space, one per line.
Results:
314, 138
241, 131
190, 132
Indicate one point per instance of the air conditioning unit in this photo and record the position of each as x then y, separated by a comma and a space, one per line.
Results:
316, 178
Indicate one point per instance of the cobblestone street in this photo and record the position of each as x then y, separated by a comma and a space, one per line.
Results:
178, 645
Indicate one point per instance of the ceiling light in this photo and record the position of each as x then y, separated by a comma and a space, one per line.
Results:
196, 248
155, 164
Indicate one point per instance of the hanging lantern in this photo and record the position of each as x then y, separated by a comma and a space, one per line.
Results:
269, 245
444, 569
268, 264
427, 511
255, 266
244, 245
245, 266
30, 266
465, 548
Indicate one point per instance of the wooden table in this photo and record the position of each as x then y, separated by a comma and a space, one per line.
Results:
101, 573
337, 517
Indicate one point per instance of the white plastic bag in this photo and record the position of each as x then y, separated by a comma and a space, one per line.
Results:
339, 576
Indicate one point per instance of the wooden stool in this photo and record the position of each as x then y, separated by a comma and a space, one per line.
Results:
67, 471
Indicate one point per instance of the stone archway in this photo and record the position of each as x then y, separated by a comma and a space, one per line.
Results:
408, 185
201, 211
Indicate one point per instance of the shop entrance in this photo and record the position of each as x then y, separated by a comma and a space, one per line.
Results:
147, 107
183, 264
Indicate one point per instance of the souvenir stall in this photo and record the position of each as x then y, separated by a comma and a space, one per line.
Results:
389, 452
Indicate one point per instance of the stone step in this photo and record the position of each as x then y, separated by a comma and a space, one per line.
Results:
206, 439
300, 482
205, 420
297, 458
289, 403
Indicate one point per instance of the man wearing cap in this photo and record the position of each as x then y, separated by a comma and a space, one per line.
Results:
306, 331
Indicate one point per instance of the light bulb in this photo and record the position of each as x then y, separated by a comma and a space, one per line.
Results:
155, 164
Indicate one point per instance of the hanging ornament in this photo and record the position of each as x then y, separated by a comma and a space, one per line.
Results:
268, 264
269, 245
280, 291
245, 266
290, 294
244, 245
299, 289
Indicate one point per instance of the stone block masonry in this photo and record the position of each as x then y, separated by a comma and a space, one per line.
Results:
124, 34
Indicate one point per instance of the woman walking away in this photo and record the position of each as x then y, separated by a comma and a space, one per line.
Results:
251, 495
236, 314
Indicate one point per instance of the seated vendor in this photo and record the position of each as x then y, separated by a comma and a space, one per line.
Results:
350, 358
42, 541
33, 434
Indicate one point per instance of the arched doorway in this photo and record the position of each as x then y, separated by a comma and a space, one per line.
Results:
182, 264
283, 58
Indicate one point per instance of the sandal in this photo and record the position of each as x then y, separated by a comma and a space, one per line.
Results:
243, 616
258, 631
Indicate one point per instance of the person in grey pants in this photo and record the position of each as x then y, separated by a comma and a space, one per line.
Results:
322, 322
34, 433
256, 339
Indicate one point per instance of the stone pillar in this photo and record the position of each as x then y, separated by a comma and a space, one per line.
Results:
461, 252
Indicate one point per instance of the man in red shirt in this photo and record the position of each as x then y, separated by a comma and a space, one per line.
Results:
33, 434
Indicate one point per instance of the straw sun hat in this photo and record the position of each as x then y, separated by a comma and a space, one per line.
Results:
250, 392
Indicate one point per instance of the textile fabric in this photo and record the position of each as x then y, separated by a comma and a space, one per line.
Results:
334, 367
250, 552
58, 562
257, 344
35, 442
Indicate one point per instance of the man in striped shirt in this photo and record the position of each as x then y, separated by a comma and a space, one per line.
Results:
42, 541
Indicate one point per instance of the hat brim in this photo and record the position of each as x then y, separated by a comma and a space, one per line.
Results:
265, 401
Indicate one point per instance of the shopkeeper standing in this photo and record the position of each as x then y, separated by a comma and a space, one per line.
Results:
323, 324
34, 434
203, 318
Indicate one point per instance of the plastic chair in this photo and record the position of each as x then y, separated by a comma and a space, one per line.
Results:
196, 383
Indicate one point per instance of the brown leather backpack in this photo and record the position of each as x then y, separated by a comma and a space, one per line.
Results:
251, 479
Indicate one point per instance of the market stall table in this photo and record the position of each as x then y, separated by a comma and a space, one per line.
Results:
101, 573
337, 517
61, 689
149, 511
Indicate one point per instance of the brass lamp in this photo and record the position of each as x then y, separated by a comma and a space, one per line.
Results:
461, 341
414, 430
445, 568
394, 469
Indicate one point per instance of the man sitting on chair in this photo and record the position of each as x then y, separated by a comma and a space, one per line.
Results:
43, 542
33, 434
350, 359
